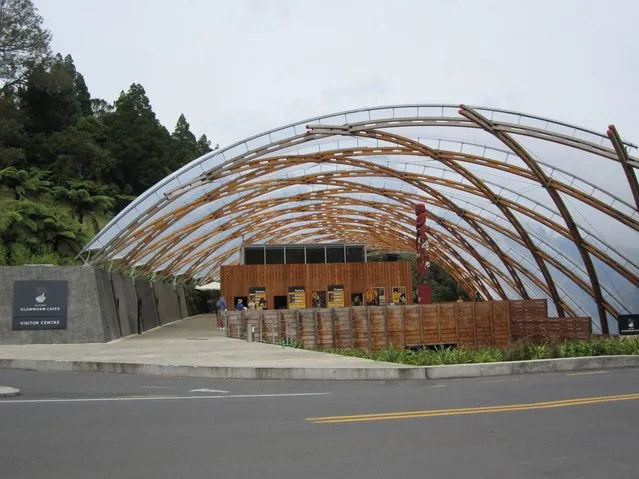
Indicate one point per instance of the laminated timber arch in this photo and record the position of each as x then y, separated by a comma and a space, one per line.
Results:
511, 210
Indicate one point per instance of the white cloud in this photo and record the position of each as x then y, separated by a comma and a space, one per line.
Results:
237, 68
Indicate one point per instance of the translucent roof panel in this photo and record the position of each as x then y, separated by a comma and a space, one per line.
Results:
520, 204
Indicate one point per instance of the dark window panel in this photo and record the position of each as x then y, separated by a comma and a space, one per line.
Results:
315, 254
354, 254
334, 254
274, 255
294, 255
253, 255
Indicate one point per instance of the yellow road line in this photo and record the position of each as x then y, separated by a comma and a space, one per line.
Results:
148, 396
472, 410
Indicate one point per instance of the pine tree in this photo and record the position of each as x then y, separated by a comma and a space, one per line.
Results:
185, 147
49, 98
139, 144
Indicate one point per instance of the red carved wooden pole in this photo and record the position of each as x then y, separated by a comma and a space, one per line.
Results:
424, 288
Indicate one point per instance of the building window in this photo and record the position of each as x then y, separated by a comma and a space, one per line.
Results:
354, 254
294, 255
335, 254
254, 255
274, 255
315, 254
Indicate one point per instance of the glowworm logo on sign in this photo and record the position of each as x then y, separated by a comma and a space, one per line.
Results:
40, 304
628, 324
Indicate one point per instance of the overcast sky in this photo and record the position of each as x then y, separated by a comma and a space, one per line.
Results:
236, 68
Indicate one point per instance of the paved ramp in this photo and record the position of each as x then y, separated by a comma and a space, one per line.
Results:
197, 343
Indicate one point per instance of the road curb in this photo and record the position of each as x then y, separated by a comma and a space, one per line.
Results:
215, 372
336, 374
7, 392
531, 367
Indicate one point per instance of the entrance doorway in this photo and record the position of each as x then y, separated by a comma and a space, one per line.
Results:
280, 302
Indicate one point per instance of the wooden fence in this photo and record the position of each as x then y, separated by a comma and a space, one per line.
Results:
468, 324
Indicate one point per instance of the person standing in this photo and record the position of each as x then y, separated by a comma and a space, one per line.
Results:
221, 312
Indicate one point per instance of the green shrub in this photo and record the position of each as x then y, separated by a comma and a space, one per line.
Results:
519, 351
629, 345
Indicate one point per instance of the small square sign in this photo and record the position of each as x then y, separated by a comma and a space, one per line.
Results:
628, 324
40, 304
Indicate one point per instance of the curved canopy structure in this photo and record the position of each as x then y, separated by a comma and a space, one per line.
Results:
518, 206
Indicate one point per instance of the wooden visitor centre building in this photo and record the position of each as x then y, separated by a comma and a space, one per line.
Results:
300, 276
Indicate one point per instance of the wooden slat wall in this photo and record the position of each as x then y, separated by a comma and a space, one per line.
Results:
469, 325
356, 278
539, 329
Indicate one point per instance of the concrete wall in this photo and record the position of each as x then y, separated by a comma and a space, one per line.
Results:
147, 304
84, 319
184, 310
126, 302
167, 302
102, 305
110, 322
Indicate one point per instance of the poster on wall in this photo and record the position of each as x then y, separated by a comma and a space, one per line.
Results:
399, 295
356, 299
376, 297
296, 297
318, 299
40, 304
257, 294
335, 295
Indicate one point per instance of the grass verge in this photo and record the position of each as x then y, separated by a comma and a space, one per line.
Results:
517, 352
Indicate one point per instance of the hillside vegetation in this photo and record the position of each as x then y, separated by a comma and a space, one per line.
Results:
69, 161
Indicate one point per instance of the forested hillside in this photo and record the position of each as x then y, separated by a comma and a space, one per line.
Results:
69, 161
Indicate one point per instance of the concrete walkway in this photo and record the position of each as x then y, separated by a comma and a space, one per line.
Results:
195, 347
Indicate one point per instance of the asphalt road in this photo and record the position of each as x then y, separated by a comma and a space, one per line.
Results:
75, 425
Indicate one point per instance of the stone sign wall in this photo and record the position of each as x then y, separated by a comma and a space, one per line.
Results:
81, 304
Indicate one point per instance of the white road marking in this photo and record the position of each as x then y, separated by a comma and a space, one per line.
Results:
500, 380
158, 398
586, 373
156, 387
208, 391
439, 386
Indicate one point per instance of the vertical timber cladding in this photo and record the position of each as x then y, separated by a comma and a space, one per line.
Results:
236, 280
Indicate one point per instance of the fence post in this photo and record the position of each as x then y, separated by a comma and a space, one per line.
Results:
492, 323
403, 325
456, 324
350, 323
475, 321
261, 326
297, 326
508, 318
316, 316
368, 325
385, 326
421, 324
333, 322
249, 331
